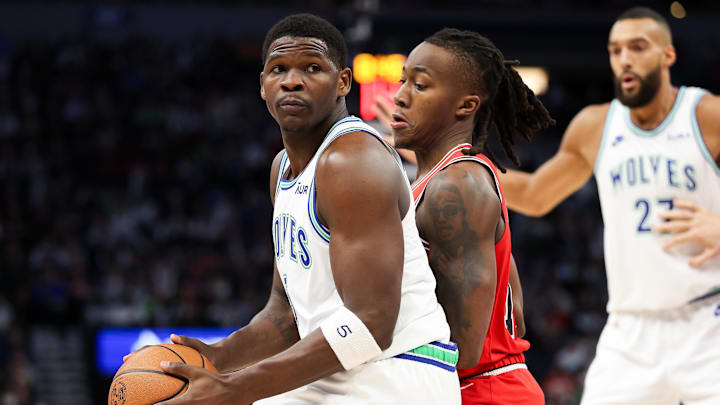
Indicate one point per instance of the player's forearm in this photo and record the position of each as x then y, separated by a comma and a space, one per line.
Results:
516, 188
467, 300
270, 332
308, 360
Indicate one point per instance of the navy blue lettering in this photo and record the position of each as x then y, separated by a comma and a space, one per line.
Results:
631, 175
304, 255
641, 163
690, 174
293, 256
671, 163
615, 176
655, 163
343, 331
276, 236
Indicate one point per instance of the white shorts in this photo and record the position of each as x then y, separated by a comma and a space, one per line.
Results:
658, 358
391, 381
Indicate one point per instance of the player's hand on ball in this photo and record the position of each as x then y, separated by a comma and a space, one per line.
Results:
208, 351
691, 223
205, 387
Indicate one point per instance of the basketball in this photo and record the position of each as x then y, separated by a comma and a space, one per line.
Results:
141, 381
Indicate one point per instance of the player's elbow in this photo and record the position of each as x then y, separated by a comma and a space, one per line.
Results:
381, 325
532, 207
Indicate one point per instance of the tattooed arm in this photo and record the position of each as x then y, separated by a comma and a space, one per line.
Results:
459, 217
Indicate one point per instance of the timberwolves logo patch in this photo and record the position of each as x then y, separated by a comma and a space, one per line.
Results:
118, 393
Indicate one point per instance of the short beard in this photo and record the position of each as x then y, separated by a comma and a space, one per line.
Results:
649, 86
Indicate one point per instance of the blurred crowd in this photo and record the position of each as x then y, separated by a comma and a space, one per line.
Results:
134, 184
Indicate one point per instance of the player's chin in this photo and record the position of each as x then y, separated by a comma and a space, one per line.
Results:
403, 138
292, 122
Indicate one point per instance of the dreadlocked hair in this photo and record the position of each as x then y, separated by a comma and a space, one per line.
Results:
509, 108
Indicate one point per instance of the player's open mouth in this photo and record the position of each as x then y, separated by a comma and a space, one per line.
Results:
398, 121
629, 81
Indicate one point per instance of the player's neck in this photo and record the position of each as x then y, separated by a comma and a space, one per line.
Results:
302, 145
428, 157
649, 116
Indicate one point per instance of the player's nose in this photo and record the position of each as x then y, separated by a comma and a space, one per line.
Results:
400, 98
292, 81
625, 58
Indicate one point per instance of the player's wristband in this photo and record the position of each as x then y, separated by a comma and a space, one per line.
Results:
349, 338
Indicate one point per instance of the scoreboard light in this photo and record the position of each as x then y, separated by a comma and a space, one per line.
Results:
378, 76
536, 78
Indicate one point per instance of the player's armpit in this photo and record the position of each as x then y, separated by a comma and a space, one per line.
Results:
459, 217
360, 193
536, 194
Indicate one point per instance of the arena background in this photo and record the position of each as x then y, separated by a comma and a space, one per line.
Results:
135, 152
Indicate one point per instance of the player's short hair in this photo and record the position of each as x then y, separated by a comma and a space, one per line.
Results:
644, 12
309, 26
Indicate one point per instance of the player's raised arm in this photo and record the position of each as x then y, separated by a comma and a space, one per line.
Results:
460, 215
536, 194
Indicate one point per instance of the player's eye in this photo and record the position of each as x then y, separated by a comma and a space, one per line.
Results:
314, 68
277, 69
420, 86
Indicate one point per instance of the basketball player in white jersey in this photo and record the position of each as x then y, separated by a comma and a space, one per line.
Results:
653, 144
353, 317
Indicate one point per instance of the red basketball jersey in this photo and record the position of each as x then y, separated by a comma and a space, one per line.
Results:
502, 346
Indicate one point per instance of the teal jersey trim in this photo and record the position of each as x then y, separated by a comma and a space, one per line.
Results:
286, 184
319, 228
281, 170
699, 138
603, 139
648, 133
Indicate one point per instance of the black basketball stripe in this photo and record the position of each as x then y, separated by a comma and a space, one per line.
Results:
176, 353
175, 394
144, 370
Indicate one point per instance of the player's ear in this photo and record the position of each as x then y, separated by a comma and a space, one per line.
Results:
669, 56
262, 88
344, 82
467, 106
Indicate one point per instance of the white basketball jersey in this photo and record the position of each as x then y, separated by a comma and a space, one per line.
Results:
303, 259
638, 174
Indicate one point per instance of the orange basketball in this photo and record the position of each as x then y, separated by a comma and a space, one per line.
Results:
141, 381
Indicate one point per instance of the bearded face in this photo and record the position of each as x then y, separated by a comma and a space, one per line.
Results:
634, 90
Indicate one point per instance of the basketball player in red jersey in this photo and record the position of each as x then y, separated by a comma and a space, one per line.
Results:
457, 89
